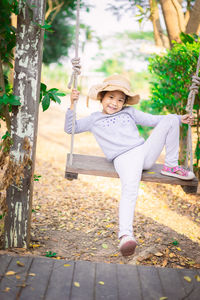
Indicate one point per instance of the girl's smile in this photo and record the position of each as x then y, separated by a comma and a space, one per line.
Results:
113, 102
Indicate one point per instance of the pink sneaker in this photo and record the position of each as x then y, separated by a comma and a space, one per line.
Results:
178, 172
127, 245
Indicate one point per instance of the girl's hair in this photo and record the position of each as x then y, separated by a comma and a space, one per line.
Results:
102, 94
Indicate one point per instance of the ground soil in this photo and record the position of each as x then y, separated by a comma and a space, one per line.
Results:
78, 220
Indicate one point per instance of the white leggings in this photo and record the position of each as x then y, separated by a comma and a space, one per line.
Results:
130, 164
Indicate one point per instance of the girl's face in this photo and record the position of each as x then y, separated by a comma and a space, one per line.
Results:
113, 102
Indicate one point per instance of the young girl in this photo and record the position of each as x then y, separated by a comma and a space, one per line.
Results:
116, 132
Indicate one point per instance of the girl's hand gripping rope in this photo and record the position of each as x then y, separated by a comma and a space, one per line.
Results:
74, 97
187, 119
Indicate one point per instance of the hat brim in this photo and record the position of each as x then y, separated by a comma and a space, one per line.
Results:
95, 93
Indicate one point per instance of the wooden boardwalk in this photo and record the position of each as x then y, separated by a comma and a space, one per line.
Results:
44, 278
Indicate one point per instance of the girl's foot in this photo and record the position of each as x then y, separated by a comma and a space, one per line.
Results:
178, 172
127, 245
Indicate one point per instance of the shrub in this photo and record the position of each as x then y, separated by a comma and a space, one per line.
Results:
171, 78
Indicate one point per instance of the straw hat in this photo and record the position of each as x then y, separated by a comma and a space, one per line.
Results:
114, 83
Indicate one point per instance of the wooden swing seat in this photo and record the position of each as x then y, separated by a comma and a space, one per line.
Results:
99, 166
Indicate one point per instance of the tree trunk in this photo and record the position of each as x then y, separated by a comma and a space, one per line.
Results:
171, 20
159, 37
193, 24
24, 123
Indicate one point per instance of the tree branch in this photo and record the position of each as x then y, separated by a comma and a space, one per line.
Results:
56, 9
181, 20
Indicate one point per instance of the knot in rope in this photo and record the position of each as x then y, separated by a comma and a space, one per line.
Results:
194, 89
76, 71
195, 84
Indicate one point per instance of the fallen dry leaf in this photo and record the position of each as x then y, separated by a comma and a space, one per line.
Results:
19, 263
158, 254
197, 277
77, 284
187, 278
165, 262
10, 273
105, 246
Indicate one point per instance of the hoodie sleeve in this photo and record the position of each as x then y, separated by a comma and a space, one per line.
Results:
81, 125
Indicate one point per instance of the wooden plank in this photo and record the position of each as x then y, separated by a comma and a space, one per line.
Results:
38, 284
84, 274
99, 166
60, 283
172, 284
97, 281
4, 263
192, 288
128, 283
150, 283
107, 274
15, 283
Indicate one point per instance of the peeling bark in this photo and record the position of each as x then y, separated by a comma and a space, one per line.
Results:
28, 60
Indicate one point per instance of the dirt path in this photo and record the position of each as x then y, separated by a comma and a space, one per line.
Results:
79, 219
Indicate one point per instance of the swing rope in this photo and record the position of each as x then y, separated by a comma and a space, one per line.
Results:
74, 77
194, 89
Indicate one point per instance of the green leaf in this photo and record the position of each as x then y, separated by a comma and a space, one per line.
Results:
175, 243
46, 26
61, 94
36, 177
14, 100
140, 8
53, 90
45, 102
55, 98
7, 134
10, 99
43, 87
186, 38
50, 254
1, 216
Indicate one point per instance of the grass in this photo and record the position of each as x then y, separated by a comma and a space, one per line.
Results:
140, 35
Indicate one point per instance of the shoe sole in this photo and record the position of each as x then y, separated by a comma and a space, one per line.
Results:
176, 175
128, 248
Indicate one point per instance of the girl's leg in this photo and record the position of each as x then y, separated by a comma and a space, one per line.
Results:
129, 167
166, 133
